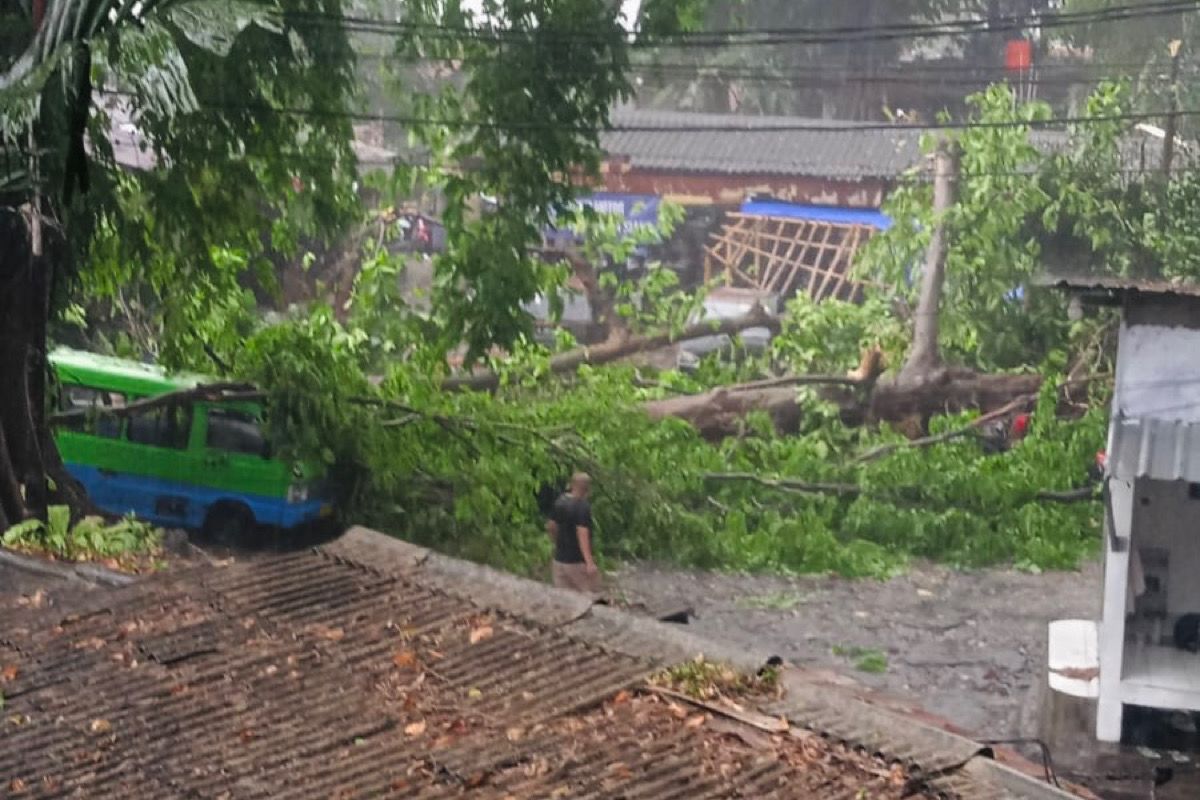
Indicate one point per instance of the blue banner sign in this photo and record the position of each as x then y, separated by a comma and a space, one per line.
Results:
635, 210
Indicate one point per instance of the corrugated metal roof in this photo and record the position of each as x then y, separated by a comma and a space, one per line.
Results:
316, 675
1166, 450
1117, 285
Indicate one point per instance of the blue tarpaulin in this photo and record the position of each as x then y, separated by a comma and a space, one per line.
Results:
838, 214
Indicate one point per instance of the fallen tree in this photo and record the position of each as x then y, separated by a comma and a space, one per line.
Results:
861, 399
623, 347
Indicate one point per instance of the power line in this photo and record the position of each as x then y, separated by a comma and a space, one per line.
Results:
759, 36
897, 74
753, 129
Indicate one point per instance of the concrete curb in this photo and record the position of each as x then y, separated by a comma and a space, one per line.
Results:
954, 764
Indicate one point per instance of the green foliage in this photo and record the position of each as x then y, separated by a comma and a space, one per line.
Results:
529, 115
829, 337
460, 471
865, 659
989, 318
89, 539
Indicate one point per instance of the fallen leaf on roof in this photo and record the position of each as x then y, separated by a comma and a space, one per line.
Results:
35, 600
694, 721
405, 659
16, 785
620, 697
474, 693
415, 728
748, 735
327, 633
480, 633
9, 673
514, 734
100, 726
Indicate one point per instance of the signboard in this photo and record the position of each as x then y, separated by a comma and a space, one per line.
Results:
635, 210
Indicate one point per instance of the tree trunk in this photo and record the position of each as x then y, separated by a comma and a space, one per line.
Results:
722, 411
600, 300
924, 359
621, 348
28, 454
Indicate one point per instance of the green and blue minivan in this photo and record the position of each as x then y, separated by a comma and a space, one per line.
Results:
198, 465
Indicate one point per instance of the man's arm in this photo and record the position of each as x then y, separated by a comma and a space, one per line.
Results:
552, 530
584, 535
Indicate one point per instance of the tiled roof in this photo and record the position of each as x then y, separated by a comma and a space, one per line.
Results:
751, 148
370, 668
747, 145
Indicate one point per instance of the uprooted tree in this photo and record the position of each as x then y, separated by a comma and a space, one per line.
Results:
364, 387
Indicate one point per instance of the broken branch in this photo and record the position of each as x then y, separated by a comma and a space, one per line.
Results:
614, 350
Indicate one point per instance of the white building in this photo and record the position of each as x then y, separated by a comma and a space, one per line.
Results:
1135, 655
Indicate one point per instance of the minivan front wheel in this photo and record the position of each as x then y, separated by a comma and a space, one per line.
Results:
229, 524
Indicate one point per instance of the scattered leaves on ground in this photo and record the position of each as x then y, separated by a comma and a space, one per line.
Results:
707, 680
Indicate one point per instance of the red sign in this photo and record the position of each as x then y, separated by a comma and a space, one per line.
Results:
1018, 55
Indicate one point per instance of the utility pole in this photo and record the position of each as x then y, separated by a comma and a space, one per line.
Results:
1168, 154
924, 357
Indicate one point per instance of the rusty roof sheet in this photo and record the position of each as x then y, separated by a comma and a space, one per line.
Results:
364, 669
1116, 285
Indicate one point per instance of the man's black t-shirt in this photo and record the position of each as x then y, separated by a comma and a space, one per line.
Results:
570, 513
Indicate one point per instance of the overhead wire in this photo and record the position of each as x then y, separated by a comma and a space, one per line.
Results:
746, 126
758, 36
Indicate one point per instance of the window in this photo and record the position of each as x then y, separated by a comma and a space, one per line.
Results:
164, 426
85, 398
236, 432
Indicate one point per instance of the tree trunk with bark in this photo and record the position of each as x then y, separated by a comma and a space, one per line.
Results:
924, 358
721, 412
22, 493
619, 348
28, 455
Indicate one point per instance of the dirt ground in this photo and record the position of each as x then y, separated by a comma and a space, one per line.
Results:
969, 644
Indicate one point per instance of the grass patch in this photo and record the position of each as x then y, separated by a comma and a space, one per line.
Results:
708, 680
866, 659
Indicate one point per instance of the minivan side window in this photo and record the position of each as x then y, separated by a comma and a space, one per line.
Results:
235, 432
75, 398
162, 426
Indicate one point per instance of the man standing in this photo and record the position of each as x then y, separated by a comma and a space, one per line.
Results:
570, 528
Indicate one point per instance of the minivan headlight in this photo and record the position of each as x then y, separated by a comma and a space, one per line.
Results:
297, 493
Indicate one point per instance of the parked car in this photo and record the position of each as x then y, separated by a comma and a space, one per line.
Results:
576, 317
729, 303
